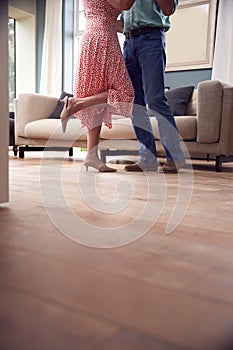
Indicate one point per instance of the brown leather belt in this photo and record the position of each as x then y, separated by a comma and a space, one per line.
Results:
134, 33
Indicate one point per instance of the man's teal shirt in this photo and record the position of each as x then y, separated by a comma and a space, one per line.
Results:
145, 13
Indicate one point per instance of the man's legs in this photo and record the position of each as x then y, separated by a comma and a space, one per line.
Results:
141, 119
152, 60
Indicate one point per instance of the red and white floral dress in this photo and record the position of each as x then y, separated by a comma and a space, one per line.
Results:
101, 66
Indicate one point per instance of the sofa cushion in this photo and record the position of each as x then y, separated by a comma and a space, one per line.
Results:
186, 125
122, 129
57, 111
51, 129
64, 94
179, 98
191, 108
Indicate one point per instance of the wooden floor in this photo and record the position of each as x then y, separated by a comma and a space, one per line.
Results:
161, 291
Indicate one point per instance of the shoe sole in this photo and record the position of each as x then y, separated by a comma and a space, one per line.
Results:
141, 170
168, 171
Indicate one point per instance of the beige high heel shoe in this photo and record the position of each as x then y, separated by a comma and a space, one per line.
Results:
99, 165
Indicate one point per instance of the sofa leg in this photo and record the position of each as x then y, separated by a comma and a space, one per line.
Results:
103, 156
21, 152
15, 150
71, 152
218, 164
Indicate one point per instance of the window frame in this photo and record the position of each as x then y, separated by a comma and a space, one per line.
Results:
178, 38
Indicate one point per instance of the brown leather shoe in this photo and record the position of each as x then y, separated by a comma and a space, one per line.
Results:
141, 166
171, 166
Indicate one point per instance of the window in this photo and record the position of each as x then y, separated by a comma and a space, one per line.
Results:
12, 78
79, 26
81, 21
190, 42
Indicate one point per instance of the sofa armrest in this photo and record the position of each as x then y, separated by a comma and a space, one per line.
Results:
209, 111
31, 107
226, 134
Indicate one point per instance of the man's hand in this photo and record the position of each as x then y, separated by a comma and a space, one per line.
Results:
119, 26
167, 6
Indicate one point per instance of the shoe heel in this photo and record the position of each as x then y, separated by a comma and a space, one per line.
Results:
65, 101
98, 165
86, 166
64, 117
64, 124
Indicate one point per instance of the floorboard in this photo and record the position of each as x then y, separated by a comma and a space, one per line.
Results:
162, 290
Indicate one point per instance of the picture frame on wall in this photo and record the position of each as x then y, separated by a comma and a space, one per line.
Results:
190, 41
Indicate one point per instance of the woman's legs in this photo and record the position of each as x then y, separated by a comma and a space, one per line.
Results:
93, 136
92, 158
74, 105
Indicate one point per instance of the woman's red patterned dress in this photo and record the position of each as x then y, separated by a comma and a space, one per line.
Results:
101, 66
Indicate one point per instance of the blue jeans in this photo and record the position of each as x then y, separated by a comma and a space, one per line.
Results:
145, 60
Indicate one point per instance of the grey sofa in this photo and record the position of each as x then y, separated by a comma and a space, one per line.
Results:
206, 126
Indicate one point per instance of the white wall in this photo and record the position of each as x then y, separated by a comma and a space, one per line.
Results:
28, 6
4, 116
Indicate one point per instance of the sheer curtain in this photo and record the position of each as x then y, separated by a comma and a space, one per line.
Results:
51, 67
223, 55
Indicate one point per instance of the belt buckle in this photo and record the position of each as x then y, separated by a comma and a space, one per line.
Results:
140, 31
136, 32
